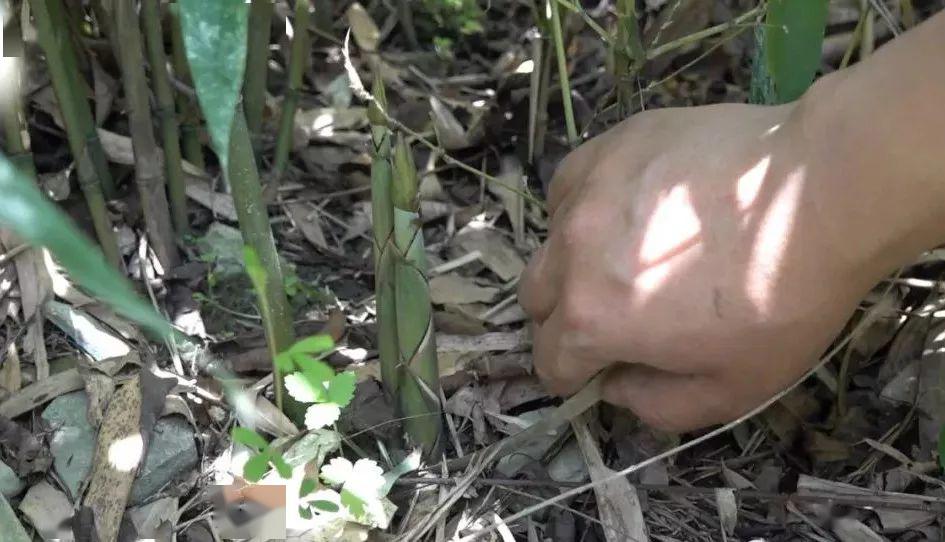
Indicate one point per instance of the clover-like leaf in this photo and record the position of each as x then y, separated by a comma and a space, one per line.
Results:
256, 467
307, 486
321, 415
315, 344
341, 388
284, 362
305, 512
303, 389
337, 471
248, 437
366, 479
354, 503
315, 369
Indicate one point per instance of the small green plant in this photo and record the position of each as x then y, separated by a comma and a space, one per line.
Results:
265, 455
446, 20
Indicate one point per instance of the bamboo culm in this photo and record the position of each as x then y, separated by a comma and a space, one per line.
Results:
187, 110
173, 166
80, 130
148, 169
257, 64
298, 59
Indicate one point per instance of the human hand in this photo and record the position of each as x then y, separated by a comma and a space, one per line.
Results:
698, 254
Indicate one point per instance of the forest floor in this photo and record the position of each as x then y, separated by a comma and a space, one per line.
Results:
849, 455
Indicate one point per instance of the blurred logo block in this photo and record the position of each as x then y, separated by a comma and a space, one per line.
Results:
244, 511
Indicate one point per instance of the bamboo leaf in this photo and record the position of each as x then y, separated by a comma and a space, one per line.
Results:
282, 467
341, 388
793, 36
27, 212
307, 486
248, 437
215, 41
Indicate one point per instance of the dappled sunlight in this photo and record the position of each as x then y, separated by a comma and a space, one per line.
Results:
772, 240
673, 224
749, 184
8, 71
125, 453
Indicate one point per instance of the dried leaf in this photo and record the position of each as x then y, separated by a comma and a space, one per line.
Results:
512, 174
850, 529
49, 511
365, 31
307, 219
497, 253
449, 132
728, 509
455, 288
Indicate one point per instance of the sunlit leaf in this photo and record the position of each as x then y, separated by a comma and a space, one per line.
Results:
303, 389
305, 512
215, 41
366, 479
341, 388
793, 36
315, 370
326, 506
354, 503
410, 463
284, 362
307, 486
249, 438
256, 467
321, 415
26, 211
315, 344
337, 471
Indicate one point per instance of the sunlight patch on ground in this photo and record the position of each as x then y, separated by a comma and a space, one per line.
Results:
125, 454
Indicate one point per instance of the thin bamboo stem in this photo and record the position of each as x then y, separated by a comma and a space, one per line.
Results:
243, 177
61, 63
629, 55
148, 168
176, 187
187, 109
257, 64
298, 58
563, 78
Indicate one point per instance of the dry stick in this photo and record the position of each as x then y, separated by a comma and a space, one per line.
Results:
62, 67
257, 65
298, 58
681, 448
703, 34
176, 188
186, 100
148, 170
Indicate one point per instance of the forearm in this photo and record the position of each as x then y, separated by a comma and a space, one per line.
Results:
875, 135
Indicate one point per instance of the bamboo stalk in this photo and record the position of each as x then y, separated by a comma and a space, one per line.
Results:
257, 64
176, 188
148, 168
628, 53
419, 402
298, 59
243, 177
80, 130
187, 109
383, 223
563, 78
13, 119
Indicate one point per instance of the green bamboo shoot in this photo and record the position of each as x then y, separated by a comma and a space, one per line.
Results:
257, 64
298, 59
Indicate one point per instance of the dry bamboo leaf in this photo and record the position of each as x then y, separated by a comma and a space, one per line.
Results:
497, 253
728, 509
511, 173
221, 204
489, 342
454, 288
89, 334
365, 31
271, 420
617, 500
850, 529
10, 378
120, 450
450, 134
307, 219
41, 392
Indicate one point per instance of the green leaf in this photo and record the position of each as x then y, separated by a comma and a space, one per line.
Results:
215, 40
305, 512
341, 388
256, 467
250, 438
793, 36
307, 486
354, 503
303, 389
282, 467
315, 370
315, 344
27, 212
325, 506
409, 464
321, 415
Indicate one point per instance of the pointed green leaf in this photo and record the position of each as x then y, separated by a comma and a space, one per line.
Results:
325, 506
215, 40
307, 486
303, 389
26, 211
282, 467
256, 467
409, 464
315, 370
305, 512
250, 438
793, 36
315, 344
341, 388
284, 362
